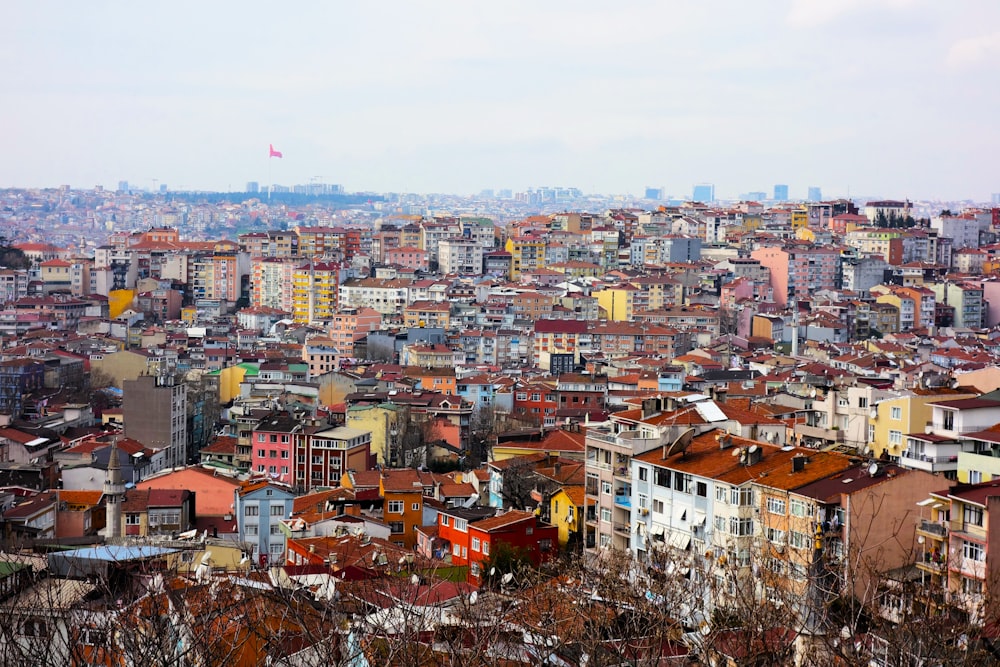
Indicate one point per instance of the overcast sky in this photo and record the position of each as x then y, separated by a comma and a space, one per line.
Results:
883, 97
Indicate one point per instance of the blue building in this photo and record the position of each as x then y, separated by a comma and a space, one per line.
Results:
704, 192
261, 505
780, 193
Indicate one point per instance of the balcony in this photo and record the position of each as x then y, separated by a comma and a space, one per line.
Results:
623, 528
623, 501
929, 463
819, 433
932, 529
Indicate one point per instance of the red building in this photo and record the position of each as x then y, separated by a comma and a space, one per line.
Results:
308, 455
535, 403
471, 540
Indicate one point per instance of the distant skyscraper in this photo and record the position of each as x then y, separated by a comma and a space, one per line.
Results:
253, 186
704, 192
996, 197
815, 193
780, 192
754, 196
163, 187
654, 193
123, 186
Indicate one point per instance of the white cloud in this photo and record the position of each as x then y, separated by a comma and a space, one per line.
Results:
974, 50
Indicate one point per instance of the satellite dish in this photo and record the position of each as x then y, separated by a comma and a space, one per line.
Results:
873, 469
507, 578
868, 451
415, 580
738, 452
493, 571
680, 445
752, 450
874, 413
402, 560
812, 393
474, 597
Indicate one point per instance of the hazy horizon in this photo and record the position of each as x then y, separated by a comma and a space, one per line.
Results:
876, 97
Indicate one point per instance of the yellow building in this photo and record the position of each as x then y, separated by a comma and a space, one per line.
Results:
751, 222
618, 302
230, 379
381, 421
526, 254
566, 512
314, 292
892, 418
189, 315
799, 218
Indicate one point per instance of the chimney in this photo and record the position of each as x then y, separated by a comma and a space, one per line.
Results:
798, 463
558, 467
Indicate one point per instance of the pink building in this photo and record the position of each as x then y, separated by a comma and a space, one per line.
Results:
352, 325
798, 271
409, 257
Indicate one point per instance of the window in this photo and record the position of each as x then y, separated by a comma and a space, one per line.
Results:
776, 506
797, 571
701, 489
721, 492
661, 477
720, 524
396, 526
445, 520
395, 507
973, 551
277, 510
896, 413
251, 510
740, 527
131, 519
273, 454
276, 529
606, 514
798, 508
799, 540
862, 401
475, 544
775, 535
741, 497
261, 453
284, 454
606, 488
461, 525
975, 477
682, 482
486, 548
415, 507
895, 437
949, 420
972, 586
456, 550
251, 529
658, 506
972, 515
643, 474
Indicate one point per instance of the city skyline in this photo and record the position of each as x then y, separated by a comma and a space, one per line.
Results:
859, 97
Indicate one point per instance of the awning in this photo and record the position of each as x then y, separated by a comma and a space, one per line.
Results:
679, 540
926, 502
680, 514
656, 530
699, 518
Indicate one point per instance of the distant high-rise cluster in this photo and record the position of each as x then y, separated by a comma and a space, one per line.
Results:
815, 193
780, 192
704, 192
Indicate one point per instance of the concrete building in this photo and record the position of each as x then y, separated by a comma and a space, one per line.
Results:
155, 413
